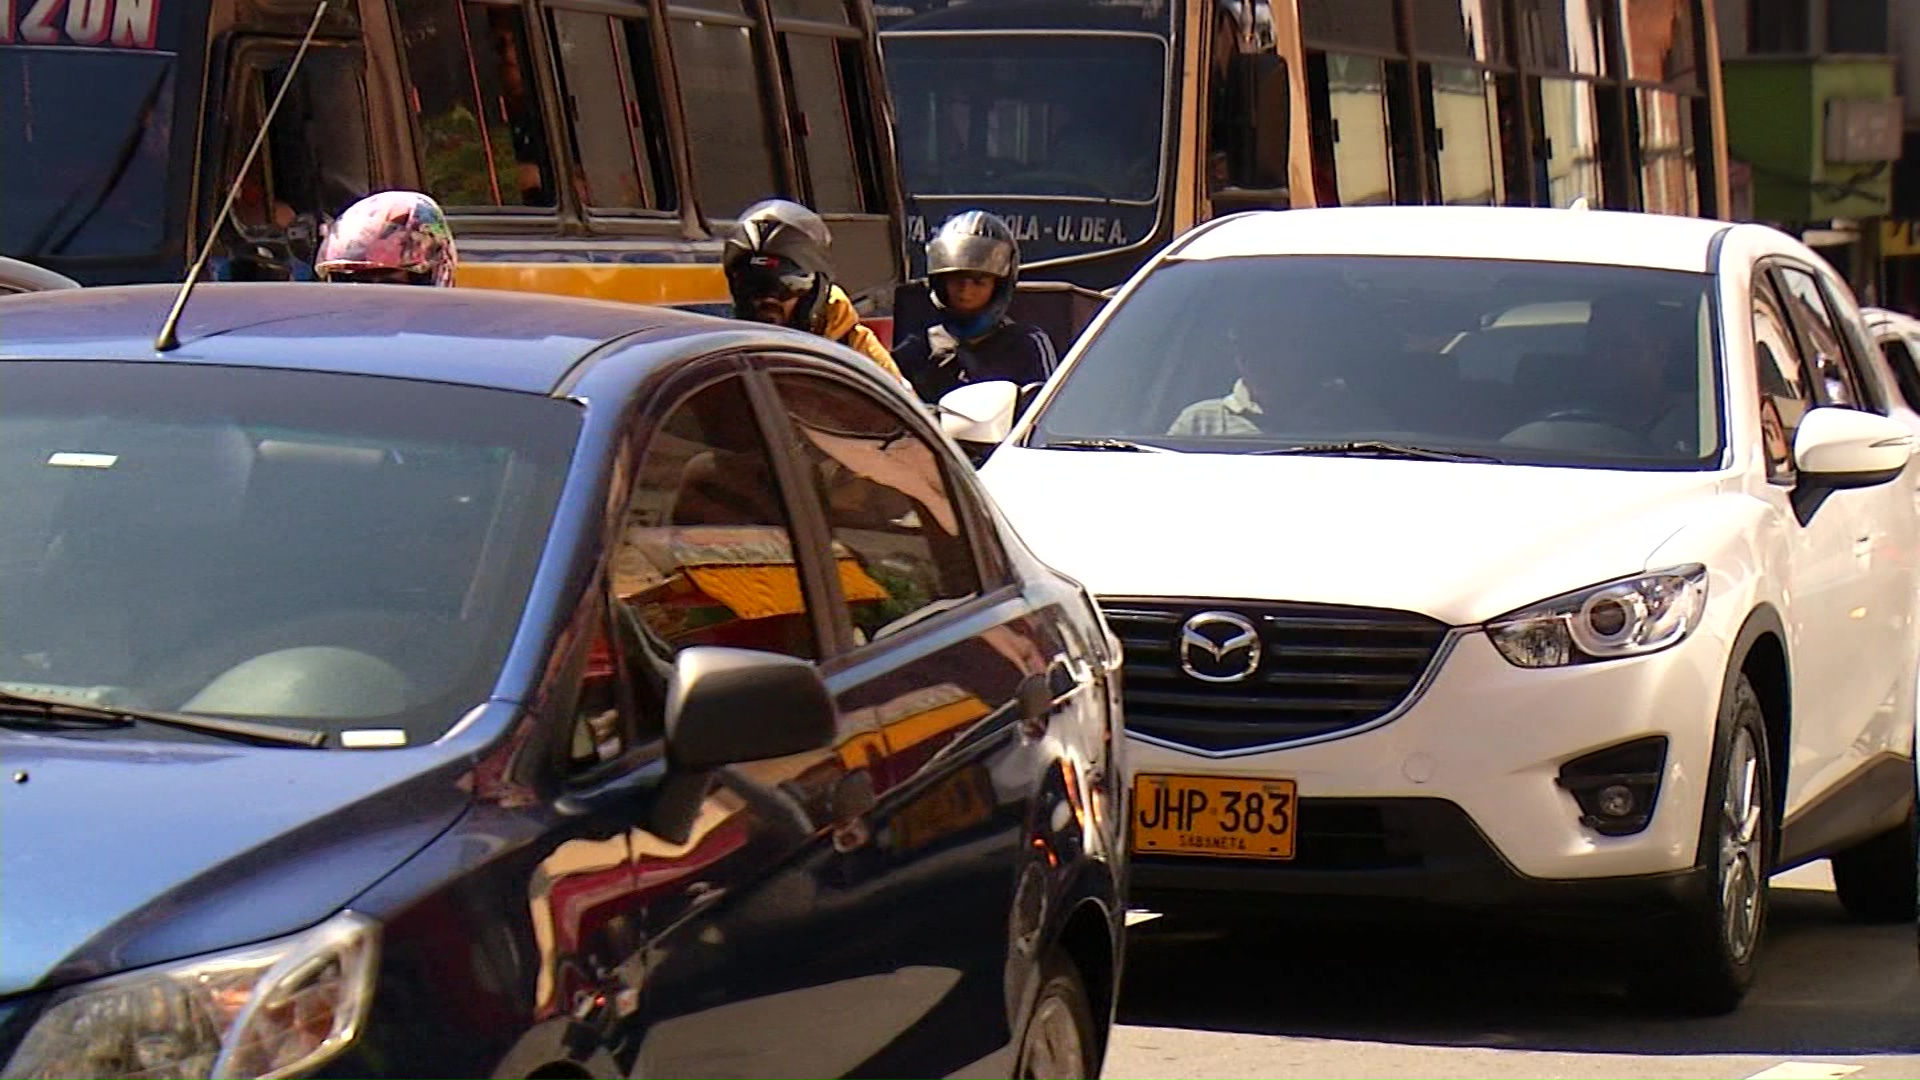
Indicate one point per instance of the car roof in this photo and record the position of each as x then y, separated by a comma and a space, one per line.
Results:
479, 337
1537, 234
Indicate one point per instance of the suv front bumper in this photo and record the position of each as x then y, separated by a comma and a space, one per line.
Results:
1457, 797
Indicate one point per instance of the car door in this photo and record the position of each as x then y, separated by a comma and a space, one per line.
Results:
962, 667
1839, 672
762, 956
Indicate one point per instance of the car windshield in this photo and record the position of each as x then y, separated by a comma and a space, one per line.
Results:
1013, 114
1520, 362
332, 552
84, 141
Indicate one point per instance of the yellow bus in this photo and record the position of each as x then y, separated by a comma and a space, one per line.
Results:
1103, 128
591, 147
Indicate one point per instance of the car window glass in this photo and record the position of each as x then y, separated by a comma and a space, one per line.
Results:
1838, 383
1526, 363
1783, 397
706, 552
899, 538
601, 720
1906, 374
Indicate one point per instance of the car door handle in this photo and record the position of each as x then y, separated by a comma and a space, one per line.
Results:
1862, 546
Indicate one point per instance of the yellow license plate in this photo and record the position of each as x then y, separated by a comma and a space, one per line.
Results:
1221, 816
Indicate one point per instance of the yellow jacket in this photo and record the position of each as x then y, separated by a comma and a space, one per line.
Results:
842, 324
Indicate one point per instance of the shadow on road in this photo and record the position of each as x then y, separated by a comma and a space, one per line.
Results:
1827, 987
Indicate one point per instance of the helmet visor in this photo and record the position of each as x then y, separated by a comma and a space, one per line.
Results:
768, 277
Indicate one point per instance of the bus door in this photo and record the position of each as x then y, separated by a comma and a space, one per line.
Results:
1248, 107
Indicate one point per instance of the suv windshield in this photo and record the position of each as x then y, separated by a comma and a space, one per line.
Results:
84, 139
1519, 362
327, 551
1011, 114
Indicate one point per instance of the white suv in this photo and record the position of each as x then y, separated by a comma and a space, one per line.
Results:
1535, 559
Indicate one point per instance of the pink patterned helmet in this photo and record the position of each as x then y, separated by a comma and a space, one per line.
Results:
399, 237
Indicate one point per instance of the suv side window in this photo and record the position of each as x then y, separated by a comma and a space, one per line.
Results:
1837, 382
706, 553
1783, 392
899, 534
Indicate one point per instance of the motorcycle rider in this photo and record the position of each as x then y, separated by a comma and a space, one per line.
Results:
778, 272
973, 264
390, 238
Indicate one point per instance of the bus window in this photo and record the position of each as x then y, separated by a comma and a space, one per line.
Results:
1463, 125
814, 68
319, 142
1352, 146
1016, 114
1569, 162
87, 134
314, 165
723, 94
470, 77
1248, 113
609, 92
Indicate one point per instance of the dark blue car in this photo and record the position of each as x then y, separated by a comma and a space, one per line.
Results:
417, 682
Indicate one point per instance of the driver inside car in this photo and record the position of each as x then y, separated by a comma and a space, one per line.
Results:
1285, 385
1641, 352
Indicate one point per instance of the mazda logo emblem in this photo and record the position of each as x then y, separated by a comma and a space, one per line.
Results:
1219, 647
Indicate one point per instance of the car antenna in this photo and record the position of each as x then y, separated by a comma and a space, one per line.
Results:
169, 337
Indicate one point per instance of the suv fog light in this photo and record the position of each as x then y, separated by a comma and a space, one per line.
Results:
1615, 800
1616, 788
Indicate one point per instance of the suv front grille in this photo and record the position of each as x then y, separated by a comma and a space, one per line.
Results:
1323, 669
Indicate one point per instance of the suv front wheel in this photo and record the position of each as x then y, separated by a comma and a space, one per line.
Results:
1701, 962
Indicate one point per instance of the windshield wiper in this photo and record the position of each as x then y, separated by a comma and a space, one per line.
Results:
1381, 449
15, 706
1104, 444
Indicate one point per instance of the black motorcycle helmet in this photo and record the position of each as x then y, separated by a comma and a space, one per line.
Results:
974, 240
778, 251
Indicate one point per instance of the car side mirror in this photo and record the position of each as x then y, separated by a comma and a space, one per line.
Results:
980, 412
728, 706
1839, 448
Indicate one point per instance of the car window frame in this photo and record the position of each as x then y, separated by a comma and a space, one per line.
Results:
992, 566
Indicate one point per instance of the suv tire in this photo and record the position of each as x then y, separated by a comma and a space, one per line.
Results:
1875, 878
1701, 961
1059, 1041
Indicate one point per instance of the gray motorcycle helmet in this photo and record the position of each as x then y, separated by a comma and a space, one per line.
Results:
976, 241
780, 247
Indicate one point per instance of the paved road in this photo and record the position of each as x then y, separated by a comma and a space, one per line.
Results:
1834, 1000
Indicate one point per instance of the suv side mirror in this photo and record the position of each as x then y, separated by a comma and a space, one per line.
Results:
1839, 448
727, 706
980, 412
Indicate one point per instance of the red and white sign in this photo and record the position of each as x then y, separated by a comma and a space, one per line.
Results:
118, 24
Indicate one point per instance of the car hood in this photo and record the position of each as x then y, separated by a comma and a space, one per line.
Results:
119, 853
1458, 542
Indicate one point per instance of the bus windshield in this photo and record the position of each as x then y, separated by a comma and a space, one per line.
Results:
84, 141
1010, 114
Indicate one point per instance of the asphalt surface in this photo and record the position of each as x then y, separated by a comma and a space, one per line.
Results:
1834, 999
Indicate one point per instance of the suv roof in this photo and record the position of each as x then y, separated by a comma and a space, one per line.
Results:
1654, 241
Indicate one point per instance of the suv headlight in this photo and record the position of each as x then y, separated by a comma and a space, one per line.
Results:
1630, 617
265, 1010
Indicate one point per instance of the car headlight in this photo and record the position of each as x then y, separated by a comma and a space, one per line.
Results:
1630, 617
265, 1010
